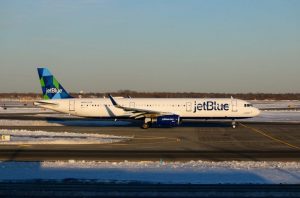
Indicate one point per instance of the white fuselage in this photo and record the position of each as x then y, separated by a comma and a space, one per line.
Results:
184, 107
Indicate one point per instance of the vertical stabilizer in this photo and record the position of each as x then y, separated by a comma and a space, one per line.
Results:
51, 88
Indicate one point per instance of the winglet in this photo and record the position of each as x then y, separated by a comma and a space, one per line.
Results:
112, 100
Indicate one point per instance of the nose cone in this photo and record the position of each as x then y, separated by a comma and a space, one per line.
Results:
255, 112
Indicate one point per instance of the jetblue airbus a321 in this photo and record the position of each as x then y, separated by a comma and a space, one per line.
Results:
163, 112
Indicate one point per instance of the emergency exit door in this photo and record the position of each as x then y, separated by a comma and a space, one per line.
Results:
71, 105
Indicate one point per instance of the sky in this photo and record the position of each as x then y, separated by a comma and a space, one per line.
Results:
235, 46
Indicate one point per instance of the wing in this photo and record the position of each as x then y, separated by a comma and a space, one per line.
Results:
137, 112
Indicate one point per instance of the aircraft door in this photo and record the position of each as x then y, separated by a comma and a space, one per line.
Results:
188, 106
234, 105
71, 105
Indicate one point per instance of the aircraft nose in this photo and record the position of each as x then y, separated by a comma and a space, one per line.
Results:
256, 112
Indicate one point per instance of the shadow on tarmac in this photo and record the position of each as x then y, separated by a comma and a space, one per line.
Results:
132, 123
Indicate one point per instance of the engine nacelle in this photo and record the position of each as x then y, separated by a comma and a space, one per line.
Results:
168, 120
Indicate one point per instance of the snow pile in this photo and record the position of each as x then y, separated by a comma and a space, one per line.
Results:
4, 122
45, 137
174, 165
195, 172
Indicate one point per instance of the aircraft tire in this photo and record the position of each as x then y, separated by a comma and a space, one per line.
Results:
146, 125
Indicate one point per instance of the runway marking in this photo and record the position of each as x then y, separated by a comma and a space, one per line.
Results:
271, 137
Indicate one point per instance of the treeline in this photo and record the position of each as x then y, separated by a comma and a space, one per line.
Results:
135, 94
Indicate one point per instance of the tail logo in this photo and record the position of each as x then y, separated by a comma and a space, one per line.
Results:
53, 91
51, 88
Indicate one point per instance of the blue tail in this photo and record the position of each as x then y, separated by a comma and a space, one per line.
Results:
51, 88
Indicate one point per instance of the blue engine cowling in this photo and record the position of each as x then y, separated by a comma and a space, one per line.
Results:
168, 120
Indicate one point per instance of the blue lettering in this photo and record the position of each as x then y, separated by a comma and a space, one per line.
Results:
211, 106
199, 107
226, 107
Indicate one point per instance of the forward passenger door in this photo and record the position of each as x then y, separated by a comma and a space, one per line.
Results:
72, 105
188, 106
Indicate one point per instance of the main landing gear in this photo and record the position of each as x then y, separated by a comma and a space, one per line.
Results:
147, 123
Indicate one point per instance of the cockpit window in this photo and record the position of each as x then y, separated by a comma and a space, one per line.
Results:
248, 105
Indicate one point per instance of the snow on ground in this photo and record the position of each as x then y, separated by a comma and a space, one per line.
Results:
44, 137
23, 110
277, 116
273, 104
194, 172
83, 122
4, 122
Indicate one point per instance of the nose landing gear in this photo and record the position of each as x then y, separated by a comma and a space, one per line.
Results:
233, 124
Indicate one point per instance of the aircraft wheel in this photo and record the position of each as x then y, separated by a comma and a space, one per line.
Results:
146, 125
233, 124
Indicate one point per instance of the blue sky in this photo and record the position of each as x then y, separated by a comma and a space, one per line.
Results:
163, 45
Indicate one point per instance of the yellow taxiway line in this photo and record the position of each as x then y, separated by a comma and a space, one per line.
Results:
271, 137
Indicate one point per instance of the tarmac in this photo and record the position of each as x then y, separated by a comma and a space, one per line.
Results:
213, 141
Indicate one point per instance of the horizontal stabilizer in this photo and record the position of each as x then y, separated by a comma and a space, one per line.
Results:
43, 102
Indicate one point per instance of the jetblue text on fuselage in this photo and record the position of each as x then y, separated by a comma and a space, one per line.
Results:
211, 106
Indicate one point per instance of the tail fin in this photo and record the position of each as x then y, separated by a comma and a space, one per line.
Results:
51, 88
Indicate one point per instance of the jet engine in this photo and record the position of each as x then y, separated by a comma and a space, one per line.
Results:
168, 120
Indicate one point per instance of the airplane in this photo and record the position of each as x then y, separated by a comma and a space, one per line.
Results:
161, 112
